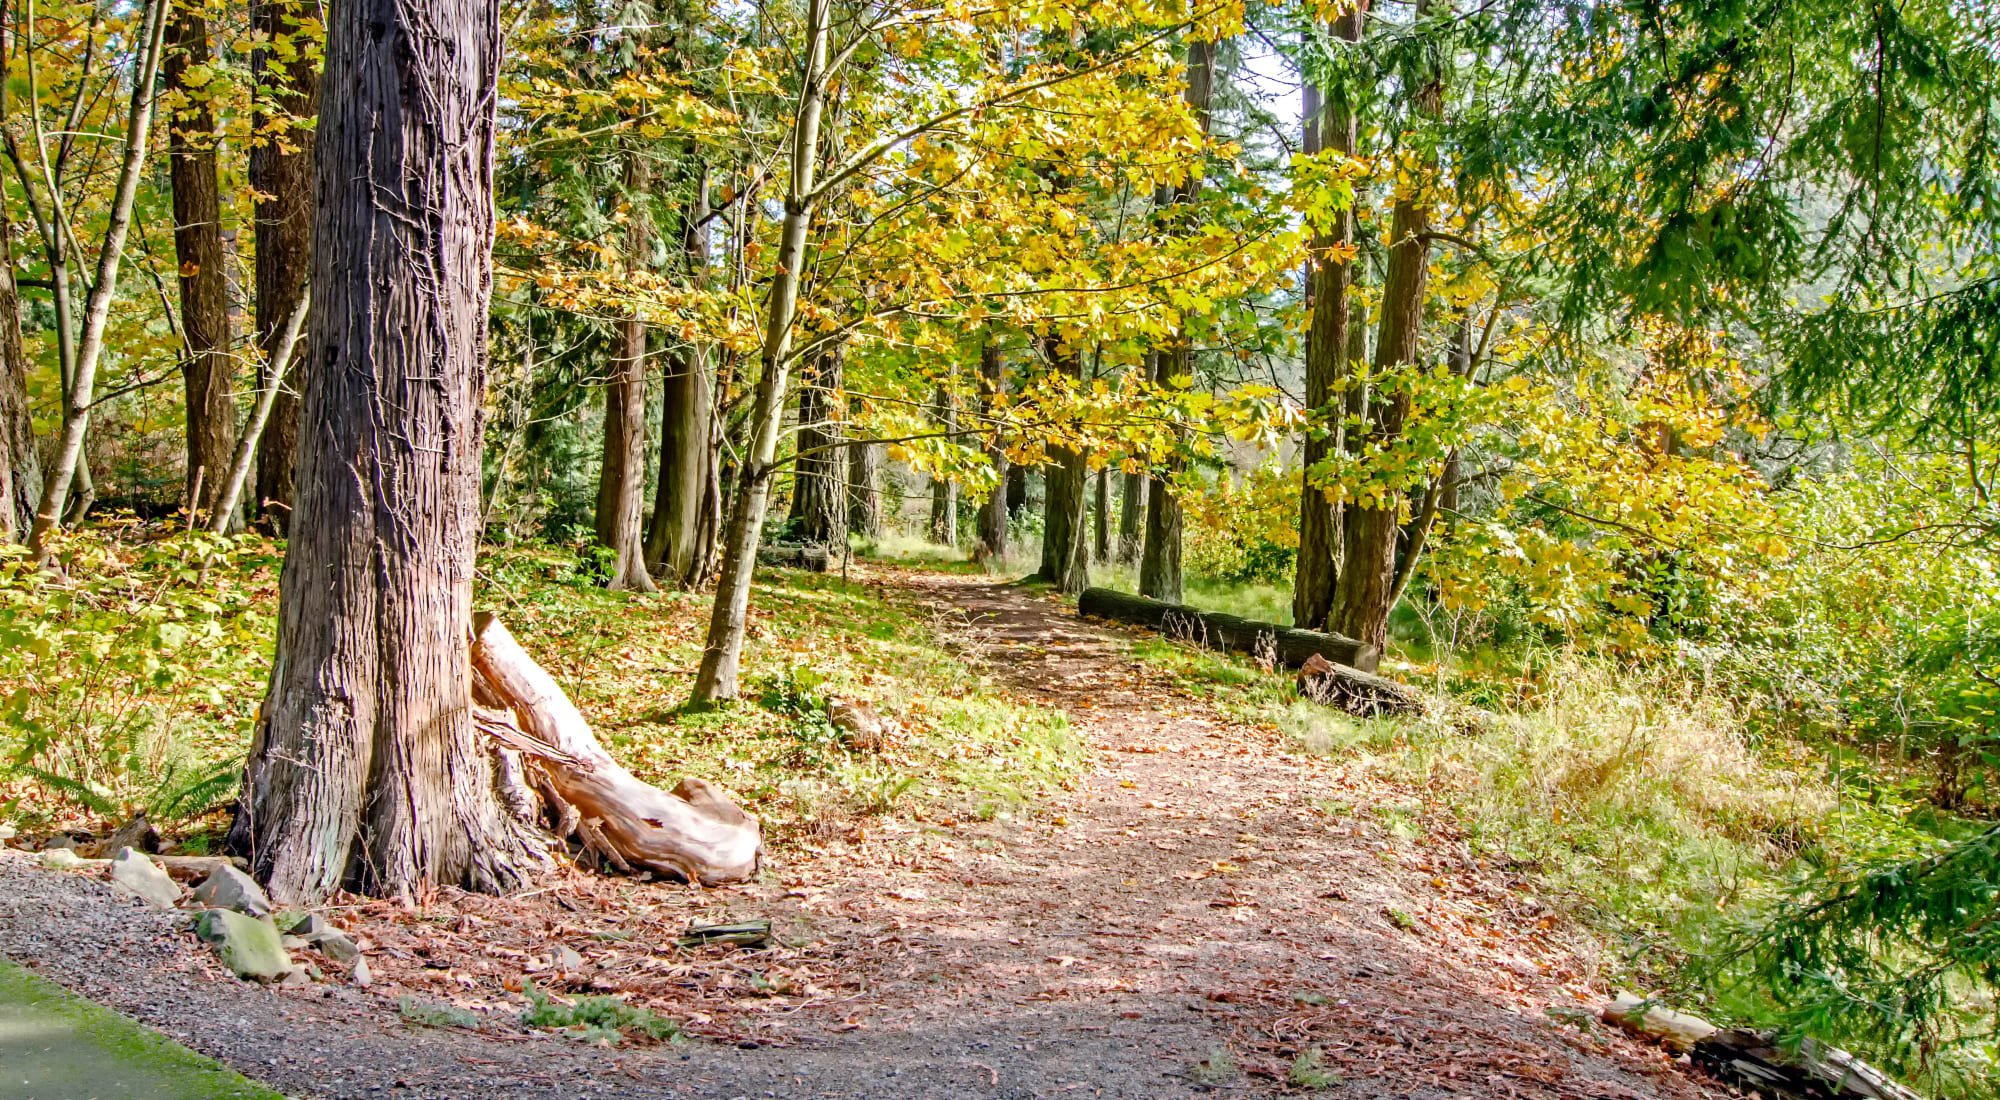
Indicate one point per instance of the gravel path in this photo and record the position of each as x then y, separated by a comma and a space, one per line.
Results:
1204, 909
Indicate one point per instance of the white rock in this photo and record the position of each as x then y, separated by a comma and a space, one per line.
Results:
133, 872
229, 888
362, 977
62, 859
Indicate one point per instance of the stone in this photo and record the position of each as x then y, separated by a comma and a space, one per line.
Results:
61, 859
311, 924
566, 958
6, 833
133, 872
293, 943
296, 976
362, 977
229, 888
335, 945
247, 945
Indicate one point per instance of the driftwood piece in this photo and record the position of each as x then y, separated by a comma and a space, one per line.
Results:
1753, 1059
812, 559
694, 832
1278, 645
1359, 693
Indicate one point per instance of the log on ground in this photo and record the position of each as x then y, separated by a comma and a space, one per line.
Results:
1269, 641
1753, 1059
812, 559
1362, 694
693, 832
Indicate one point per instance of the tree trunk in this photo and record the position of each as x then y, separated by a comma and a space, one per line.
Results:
1320, 543
1160, 557
944, 491
694, 832
207, 369
1131, 516
1214, 629
675, 547
281, 173
1101, 515
1017, 492
367, 771
20, 464
1365, 594
621, 477
1065, 539
864, 487
819, 491
993, 513
277, 373
722, 651
67, 462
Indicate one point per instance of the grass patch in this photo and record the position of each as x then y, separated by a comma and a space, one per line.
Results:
431, 1014
602, 1020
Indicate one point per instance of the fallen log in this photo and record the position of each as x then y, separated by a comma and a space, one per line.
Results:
1362, 694
812, 559
1267, 641
1754, 1060
694, 832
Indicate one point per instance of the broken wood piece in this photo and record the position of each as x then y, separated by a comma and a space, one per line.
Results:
1753, 1059
693, 832
1362, 694
812, 559
747, 934
1270, 642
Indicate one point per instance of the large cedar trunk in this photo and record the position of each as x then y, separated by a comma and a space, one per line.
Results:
366, 770
207, 368
819, 495
675, 544
993, 513
944, 491
20, 464
621, 477
1332, 126
281, 174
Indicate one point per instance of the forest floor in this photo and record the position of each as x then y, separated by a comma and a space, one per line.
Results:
1206, 912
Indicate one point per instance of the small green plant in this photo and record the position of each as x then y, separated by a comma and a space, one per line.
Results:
431, 1014
1218, 1067
1309, 1071
605, 1020
1400, 919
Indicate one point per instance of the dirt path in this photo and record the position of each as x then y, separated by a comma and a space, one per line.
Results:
1204, 908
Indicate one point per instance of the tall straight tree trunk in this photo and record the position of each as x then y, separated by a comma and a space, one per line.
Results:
864, 489
1065, 539
993, 513
207, 369
1329, 126
1366, 593
1017, 492
819, 489
944, 491
20, 465
722, 650
679, 542
1160, 557
366, 771
66, 465
281, 173
1131, 516
621, 477
1101, 515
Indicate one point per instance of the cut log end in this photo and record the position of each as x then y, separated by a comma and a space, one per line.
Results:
1359, 693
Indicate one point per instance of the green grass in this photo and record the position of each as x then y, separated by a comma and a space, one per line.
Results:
94, 1051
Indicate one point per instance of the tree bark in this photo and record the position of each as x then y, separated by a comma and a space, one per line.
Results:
675, 546
1131, 516
281, 173
1282, 646
993, 513
207, 368
1329, 126
276, 374
1065, 539
944, 491
1365, 595
819, 489
864, 486
621, 476
1101, 515
1017, 492
722, 651
367, 771
20, 463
